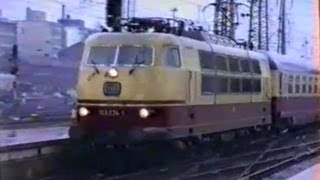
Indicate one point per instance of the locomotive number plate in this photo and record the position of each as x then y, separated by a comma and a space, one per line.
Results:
110, 112
112, 89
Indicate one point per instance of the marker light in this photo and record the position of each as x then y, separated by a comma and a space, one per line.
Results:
83, 111
113, 73
144, 113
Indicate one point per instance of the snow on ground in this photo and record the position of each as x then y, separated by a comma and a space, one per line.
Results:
311, 173
6, 82
24, 136
294, 171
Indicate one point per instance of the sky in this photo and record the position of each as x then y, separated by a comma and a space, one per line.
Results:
299, 32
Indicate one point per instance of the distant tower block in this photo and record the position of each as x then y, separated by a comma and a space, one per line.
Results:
32, 15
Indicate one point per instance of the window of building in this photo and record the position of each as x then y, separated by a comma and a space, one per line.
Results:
245, 66
257, 85
223, 84
206, 60
208, 84
235, 85
315, 89
221, 62
234, 64
256, 67
246, 85
173, 57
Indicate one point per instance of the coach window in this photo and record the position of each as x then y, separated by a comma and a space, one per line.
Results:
234, 64
256, 67
257, 85
245, 66
173, 57
221, 62
206, 59
297, 85
207, 84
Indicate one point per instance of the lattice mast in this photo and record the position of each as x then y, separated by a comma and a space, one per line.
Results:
282, 29
259, 26
224, 22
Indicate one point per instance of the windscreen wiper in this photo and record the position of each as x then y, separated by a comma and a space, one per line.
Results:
95, 68
136, 64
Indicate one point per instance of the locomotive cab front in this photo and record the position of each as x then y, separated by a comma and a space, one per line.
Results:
127, 86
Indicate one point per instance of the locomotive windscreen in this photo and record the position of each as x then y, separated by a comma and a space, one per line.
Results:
127, 55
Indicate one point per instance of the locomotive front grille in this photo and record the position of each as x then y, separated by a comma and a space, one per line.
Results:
112, 89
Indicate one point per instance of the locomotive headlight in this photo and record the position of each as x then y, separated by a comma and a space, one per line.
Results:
144, 113
83, 111
113, 73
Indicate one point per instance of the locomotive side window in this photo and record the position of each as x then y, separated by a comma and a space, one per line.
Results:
304, 85
221, 62
310, 85
297, 86
257, 85
246, 85
223, 84
102, 55
256, 67
245, 65
173, 57
208, 84
235, 85
234, 64
206, 60
316, 85
290, 84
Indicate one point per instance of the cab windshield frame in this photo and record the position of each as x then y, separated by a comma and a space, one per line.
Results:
116, 56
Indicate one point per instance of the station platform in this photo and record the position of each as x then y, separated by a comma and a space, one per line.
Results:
25, 136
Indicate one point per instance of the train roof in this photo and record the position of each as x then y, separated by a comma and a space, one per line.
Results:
290, 64
132, 38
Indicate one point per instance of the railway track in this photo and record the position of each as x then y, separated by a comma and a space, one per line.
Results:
242, 164
273, 160
60, 159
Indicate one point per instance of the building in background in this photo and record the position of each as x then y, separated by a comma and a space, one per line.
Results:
75, 30
75, 35
8, 36
32, 15
40, 38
